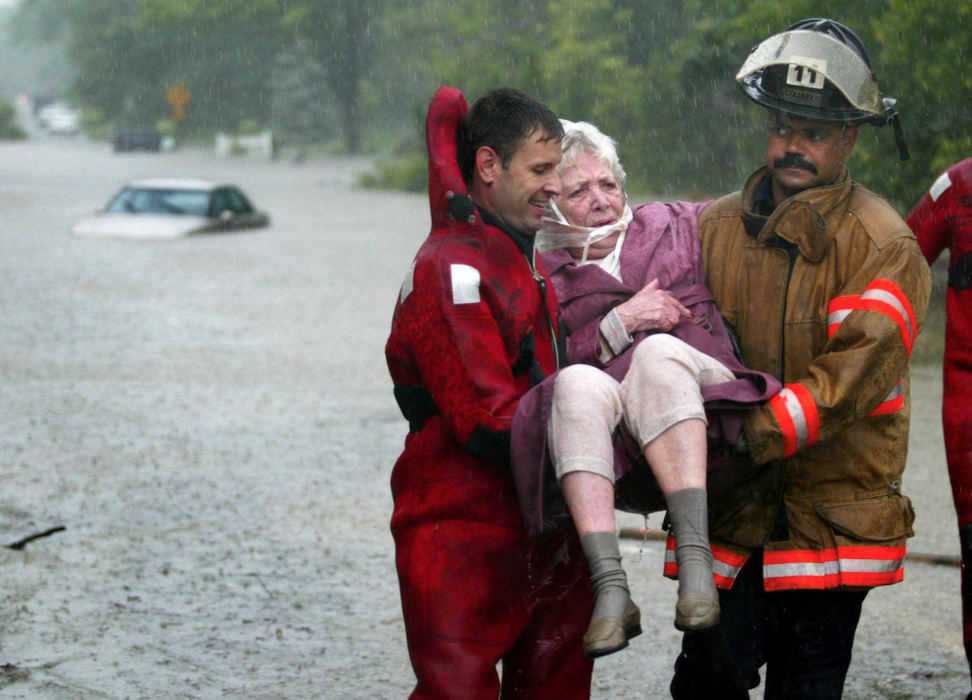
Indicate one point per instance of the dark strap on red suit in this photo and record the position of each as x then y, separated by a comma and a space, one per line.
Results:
960, 273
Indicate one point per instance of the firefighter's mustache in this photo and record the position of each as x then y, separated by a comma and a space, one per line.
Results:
795, 161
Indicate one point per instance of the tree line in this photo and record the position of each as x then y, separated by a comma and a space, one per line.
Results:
656, 74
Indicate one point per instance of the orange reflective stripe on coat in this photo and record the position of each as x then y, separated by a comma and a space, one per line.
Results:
802, 569
885, 296
893, 402
882, 296
796, 413
830, 568
726, 565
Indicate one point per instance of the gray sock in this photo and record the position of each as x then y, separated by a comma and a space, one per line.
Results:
610, 583
688, 513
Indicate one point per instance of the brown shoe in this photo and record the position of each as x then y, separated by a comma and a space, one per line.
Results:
696, 611
609, 634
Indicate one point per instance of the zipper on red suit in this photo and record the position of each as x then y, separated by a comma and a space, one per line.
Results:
542, 286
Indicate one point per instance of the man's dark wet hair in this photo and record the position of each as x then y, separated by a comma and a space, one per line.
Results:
501, 119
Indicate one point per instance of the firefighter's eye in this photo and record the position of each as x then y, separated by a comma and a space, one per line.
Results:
816, 135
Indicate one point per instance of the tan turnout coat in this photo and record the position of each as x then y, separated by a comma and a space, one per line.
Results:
837, 326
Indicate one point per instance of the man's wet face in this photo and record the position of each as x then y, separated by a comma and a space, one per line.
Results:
525, 185
805, 153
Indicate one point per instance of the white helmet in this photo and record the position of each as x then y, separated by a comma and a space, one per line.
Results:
818, 69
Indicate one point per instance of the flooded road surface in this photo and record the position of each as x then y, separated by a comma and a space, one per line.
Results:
211, 422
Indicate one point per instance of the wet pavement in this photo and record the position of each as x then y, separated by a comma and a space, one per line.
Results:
211, 422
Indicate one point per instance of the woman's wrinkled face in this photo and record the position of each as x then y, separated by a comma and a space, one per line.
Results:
590, 194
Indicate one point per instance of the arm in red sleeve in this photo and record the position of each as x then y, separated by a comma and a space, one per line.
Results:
929, 219
458, 349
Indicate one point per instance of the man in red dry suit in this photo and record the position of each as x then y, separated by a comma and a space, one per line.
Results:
476, 325
943, 218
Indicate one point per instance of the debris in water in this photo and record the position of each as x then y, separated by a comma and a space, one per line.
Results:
22, 542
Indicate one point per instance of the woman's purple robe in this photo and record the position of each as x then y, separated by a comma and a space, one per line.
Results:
662, 243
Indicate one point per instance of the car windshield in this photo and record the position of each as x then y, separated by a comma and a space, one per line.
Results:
133, 200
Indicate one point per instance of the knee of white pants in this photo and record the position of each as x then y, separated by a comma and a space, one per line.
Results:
663, 358
584, 411
587, 390
662, 387
656, 352
659, 366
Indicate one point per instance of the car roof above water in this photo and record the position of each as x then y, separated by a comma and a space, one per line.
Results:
174, 183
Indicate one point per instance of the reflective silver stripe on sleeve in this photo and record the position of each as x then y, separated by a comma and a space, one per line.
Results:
891, 300
837, 317
895, 393
795, 410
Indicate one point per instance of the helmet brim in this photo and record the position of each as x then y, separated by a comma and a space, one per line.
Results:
813, 58
846, 116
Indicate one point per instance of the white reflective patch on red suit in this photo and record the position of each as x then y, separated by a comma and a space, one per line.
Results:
465, 284
408, 283
940, 185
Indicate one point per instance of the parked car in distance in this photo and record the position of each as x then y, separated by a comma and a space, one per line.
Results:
59, 118
134, 139
164, 208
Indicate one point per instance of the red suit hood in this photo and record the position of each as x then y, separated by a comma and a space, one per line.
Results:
449, 198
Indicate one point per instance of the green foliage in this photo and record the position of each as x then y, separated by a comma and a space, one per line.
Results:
342, 33
94, 125
167, 127
249, 127
127, 88
10, 130
917, 49
923, 61
302, 105
129, 53
657, 75
585, 64
409, 172
221, 50
474, 46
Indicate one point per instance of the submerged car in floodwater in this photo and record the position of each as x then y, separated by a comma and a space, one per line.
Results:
173, 208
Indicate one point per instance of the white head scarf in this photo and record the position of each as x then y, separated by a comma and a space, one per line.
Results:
556, 232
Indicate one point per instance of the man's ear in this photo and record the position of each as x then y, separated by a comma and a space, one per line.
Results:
488, 163
849, 139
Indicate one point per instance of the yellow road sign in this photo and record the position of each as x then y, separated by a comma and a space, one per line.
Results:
178, 96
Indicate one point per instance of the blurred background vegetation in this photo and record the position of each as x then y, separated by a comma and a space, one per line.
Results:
356, 75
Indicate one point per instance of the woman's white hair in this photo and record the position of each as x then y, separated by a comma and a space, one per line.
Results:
583, 137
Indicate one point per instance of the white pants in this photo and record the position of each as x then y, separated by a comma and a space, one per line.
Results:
662, 388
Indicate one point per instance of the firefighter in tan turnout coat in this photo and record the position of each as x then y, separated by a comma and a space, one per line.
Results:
826, 288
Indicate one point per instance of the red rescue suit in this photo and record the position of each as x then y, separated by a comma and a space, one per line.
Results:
473, 329
943, 218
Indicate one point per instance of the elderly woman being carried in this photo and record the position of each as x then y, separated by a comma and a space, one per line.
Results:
654, 384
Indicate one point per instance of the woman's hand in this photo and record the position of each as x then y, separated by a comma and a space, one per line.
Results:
651, 309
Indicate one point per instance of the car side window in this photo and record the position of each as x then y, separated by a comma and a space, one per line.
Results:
238, 202
220, 203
